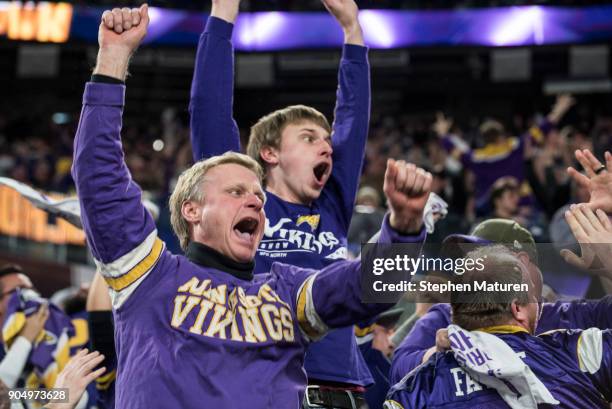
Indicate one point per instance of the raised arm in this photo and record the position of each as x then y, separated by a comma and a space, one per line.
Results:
332, 297
352, 111
598, 179
120, 231
451, 143
563, 103
213, 129
537, 133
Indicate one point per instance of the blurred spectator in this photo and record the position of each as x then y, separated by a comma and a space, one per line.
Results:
505, 198
367, 218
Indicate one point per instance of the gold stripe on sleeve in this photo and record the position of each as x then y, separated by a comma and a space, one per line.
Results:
301, 310
119, 283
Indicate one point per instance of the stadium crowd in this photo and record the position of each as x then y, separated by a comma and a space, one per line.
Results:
40, 155
281, 335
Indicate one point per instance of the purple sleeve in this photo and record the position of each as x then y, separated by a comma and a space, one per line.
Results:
331, 298
453, 149
422, 337
577, 314
350, 128
592, 351
537, 133
412, 392
342, 308
603, 377
213, 129
387, 235
114, 219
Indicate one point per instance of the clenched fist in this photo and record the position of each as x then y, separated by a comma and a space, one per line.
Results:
123, 27
120, 33
407, 188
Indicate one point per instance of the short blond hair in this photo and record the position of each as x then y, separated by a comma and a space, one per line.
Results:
189, 187
268, 130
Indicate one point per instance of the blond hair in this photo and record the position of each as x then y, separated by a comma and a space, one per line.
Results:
267, 131
189, 187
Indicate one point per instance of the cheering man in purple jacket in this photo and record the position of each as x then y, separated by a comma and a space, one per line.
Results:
309, 205
201, 330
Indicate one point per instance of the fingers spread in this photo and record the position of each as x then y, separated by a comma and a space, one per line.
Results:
593, 161
579, 178
582, 219
92, 360
590, 216
95, 374
604, 219
575, 226
572, 259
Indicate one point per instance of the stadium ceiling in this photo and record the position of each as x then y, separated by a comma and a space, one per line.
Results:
279, 31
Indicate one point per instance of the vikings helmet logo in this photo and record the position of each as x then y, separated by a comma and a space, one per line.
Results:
312, 220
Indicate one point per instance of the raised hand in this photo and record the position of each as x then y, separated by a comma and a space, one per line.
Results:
563, 103
598, 179
593, 231
120, 33
225, 9
123, 27
443, 125
407, 188
76, 375
346, 13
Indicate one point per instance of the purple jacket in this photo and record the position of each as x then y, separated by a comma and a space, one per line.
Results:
575, 366
495, 161
558, 315
188, 335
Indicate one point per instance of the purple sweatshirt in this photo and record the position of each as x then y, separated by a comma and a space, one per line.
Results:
558, 315
497, 160
189, 335
575, 367
307, 236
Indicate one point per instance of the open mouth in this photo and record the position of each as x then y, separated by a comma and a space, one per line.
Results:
246, 228
320, 171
